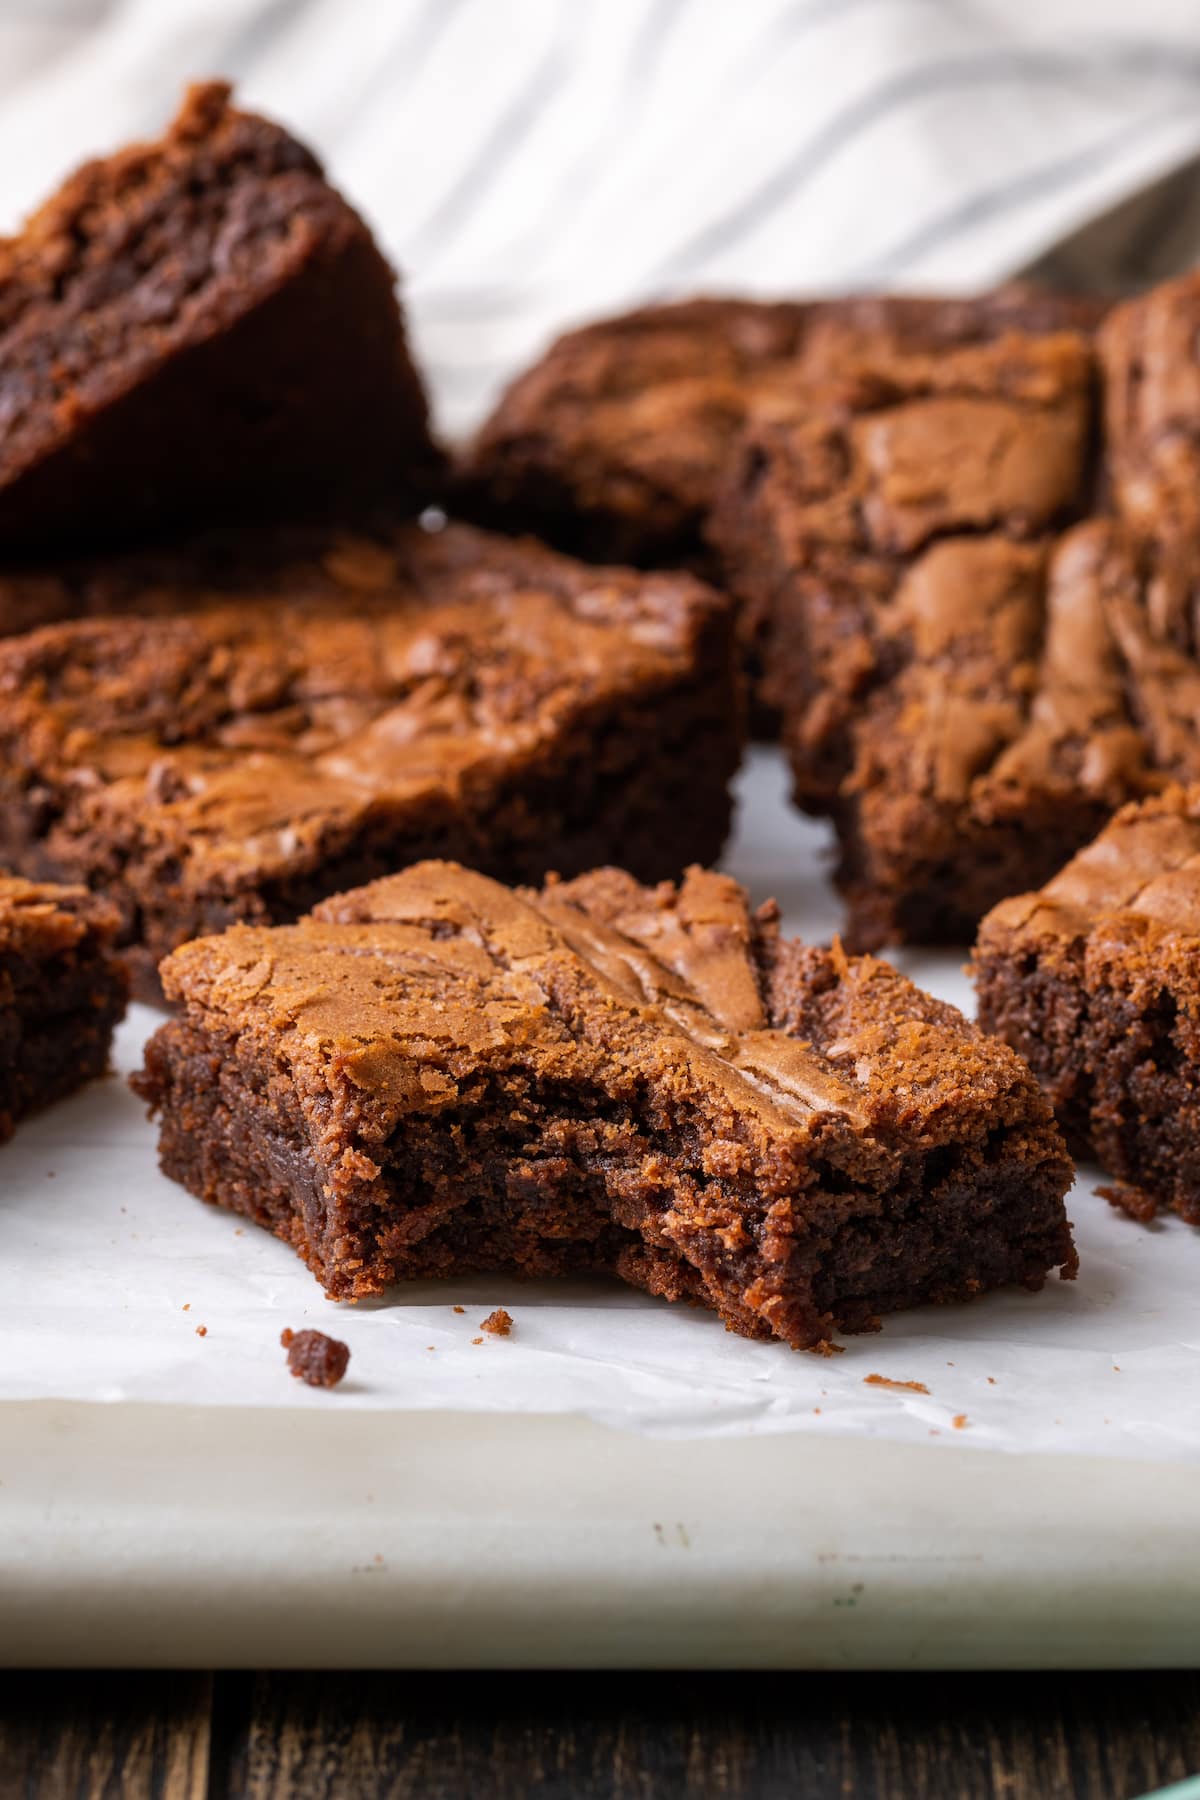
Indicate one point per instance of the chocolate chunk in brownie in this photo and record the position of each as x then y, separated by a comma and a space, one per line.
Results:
61, 993
435, 1075
300, 731
196, 328
314, 1358
613, 445
1096, 981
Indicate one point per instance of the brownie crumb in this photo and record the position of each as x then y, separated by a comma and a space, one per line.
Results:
460, 1309
899, 1387
1134, 1202
202, 1331
477, 1340
497, 1324
319, 1360
959, 1421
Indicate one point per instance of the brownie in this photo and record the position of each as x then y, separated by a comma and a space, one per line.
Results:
961, 683
435, 1075
1151, 362
332, 719
613, 445
197, 328
314, 1358
61, 993
1095, 979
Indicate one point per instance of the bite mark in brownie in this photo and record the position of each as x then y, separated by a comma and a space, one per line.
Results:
288, 735
1095, 980
434, 1075
62, 993
200, 328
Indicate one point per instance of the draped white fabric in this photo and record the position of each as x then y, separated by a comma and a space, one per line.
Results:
530, 163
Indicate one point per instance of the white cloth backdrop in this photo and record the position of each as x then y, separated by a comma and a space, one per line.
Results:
532, 162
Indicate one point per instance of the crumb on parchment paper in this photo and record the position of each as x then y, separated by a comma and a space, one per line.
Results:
897, 1387
314, 1358
497, 1324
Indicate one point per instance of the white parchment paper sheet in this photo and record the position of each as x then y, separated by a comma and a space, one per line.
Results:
116, 1285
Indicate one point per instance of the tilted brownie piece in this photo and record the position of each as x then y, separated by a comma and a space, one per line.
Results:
61, 993
200, 327
1096, 981
399, 697
613, 445
436, 1075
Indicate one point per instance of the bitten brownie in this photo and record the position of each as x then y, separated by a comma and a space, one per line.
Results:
614, 444
1096, 981
435, 1075
314, 725
61, 993
200, 328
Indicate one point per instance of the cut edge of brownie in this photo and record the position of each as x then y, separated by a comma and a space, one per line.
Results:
870, 1149
202, 304
1095, 981
62, 994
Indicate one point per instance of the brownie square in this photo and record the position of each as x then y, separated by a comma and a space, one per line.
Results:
435, 1075
1095, 980
200, 328
965, 693
61, 993
614, 444
311, 724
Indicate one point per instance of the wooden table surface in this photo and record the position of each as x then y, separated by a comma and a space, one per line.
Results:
592, 1737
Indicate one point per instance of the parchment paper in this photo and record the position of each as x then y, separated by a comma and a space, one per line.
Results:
117, 1285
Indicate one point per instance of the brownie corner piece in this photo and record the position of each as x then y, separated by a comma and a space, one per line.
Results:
435, 1074
201, 328
62, 993
1095, 980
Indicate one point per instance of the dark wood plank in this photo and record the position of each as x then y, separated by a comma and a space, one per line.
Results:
108, 1736
705, 1737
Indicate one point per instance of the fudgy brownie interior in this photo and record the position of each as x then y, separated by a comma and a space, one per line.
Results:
61, 993
1095, 980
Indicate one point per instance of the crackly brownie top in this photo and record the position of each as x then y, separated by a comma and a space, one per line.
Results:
899, 445
43, 919
633, 417
1140, 879
408, 995
390, 670
1150, 359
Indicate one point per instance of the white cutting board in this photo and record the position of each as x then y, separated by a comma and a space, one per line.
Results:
618, 1483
